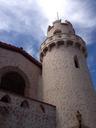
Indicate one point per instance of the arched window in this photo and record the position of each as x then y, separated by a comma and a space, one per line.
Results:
13, 82
76, 62
6, 99
25, 104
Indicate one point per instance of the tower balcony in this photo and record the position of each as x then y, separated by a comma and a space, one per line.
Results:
62, 39
63, 36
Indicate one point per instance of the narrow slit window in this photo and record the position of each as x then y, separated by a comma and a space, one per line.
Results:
42, 108
76, 62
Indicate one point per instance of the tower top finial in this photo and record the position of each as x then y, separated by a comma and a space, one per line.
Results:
57, 16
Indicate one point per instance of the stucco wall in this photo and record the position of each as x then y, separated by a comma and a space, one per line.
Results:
64, 27
13, 115
13, 61
68, 87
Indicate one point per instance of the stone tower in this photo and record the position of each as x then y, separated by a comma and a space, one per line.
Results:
66, 79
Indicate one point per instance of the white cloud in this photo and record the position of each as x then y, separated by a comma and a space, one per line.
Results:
79, 12
21, 16
33, 16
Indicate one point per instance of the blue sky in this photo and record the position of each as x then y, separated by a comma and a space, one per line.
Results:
24, 23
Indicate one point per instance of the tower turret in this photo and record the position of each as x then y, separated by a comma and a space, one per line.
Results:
62, 34
66, 79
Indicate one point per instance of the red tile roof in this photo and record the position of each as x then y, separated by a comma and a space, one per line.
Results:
21, 51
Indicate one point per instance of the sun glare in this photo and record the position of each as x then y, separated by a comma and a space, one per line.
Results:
51, 7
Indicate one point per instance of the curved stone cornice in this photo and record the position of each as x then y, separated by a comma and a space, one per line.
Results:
62, 39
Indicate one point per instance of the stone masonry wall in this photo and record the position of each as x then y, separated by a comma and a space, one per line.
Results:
22, 112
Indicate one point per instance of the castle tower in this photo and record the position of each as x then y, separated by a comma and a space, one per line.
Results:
66, 79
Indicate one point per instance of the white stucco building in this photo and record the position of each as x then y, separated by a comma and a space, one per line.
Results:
56, 93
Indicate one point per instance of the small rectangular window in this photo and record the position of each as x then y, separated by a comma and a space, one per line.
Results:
76, 62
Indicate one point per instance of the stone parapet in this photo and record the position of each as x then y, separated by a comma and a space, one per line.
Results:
62, 39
